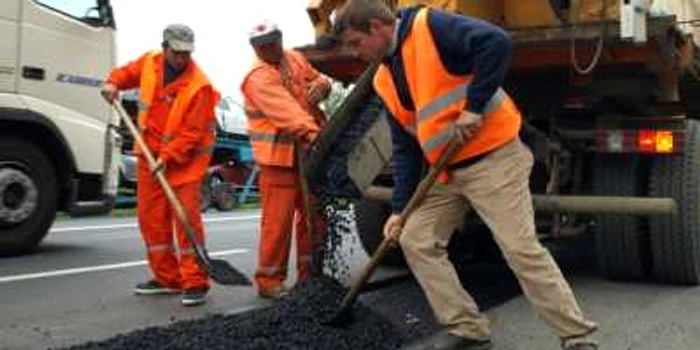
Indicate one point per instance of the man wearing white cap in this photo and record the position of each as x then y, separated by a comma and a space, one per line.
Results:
281, 92
176, 118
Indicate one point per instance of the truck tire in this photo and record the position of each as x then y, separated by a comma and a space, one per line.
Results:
205, 194
225, 198
370, 218
675, 242
28, 195
621, 241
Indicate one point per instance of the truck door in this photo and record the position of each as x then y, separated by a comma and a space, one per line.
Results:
66, 51
9, 15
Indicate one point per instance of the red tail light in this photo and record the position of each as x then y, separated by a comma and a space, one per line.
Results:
638, 141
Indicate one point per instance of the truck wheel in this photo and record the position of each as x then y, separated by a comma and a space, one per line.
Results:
28, 192
621, 242
675, 242
224, 196
370, 218
205, 194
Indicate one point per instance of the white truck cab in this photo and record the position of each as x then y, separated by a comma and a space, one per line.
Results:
58, 147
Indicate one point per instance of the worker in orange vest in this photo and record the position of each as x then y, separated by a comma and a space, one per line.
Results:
439, 77
177, 121
281, 93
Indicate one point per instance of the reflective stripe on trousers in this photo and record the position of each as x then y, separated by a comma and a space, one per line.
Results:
159, 248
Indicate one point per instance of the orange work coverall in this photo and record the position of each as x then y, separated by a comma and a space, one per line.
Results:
279, 112
184, 142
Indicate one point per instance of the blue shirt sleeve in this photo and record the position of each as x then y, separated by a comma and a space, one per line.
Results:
469, 45
407, 161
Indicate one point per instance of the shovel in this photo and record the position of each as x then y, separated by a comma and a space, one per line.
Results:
220, 270
344, 315
306, 199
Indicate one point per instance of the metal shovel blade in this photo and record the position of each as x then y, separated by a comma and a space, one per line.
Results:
342, 318
223, 273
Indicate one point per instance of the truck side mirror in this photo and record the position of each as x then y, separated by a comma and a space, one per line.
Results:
106, 13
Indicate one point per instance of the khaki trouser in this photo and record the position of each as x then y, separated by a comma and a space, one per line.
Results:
497, 188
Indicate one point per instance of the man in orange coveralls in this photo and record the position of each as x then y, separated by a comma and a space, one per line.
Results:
177, 120
281, 93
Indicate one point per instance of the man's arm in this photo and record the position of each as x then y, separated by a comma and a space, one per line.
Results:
319, 84
264, 88
198, 120
469, 45
407, 165
128, 76
122, 78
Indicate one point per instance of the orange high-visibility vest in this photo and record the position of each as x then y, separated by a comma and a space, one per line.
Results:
270, 146
439, 98
195, 168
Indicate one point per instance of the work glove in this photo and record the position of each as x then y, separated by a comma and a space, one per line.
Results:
318, 93
109, 92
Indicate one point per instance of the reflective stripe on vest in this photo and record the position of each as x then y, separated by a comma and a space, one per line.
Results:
272, 138
253, 114
455, 95
445, 101
269, 145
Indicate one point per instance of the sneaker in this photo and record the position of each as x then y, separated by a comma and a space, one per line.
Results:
274, 293
448, 341
154, 287
194, 297
581, 346
579, 343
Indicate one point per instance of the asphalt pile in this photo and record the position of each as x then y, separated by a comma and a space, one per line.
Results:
296, 322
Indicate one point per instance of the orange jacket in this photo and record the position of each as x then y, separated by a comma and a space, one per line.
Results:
278, 114
439, 99
178, 120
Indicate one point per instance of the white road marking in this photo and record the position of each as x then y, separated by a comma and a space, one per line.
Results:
79, 270
135, 224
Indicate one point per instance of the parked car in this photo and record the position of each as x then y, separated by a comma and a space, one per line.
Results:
225, 182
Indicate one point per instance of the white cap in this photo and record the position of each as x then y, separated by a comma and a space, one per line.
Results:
264, 33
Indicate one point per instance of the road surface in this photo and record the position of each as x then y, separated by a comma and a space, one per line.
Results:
78, 287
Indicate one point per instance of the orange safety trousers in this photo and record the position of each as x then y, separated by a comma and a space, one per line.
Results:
157, 220
282, 210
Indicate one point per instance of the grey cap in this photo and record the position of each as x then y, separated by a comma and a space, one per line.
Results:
179, 37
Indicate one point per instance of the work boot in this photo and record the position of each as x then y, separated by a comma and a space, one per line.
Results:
154, 287
274, 293
584, 342
194, 297
448, 341
581, 346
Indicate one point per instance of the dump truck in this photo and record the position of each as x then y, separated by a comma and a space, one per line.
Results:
609, 92
59, 150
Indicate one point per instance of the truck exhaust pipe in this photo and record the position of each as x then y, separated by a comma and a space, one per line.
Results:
576, 204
